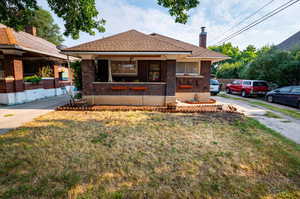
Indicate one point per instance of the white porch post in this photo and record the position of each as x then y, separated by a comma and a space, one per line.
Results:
109, 71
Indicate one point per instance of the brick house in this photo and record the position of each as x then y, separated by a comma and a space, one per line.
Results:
139, 69
23, 54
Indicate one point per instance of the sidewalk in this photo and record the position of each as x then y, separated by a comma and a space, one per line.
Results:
14, 116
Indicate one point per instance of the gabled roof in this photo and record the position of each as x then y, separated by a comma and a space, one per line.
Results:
130, 41
196, 50
290, 43
27, 42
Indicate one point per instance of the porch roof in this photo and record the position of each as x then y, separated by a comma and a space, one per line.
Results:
10, 39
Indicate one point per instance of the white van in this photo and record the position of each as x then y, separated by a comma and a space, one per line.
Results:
214, 87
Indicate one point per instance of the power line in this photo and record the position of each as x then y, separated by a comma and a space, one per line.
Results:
260, 20
248, 17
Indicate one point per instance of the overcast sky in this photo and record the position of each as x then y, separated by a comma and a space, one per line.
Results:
217, 15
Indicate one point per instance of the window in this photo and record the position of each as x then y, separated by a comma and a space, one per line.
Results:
187, 68
214, 82
154, 72
296, 89
123, 68
285, 89
236, 82
63, 76
260, 84
248, 83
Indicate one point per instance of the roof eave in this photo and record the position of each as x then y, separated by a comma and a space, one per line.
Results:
127, 52
13, 46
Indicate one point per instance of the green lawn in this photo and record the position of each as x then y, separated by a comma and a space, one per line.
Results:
87, 155
285, 111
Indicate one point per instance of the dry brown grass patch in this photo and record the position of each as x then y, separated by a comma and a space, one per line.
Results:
146, 155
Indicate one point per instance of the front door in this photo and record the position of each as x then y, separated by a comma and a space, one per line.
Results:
102, 70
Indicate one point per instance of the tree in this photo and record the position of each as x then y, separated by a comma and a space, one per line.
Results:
46, 28
276, 66
79, 15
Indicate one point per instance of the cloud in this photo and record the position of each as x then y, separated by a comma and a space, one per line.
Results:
216, 15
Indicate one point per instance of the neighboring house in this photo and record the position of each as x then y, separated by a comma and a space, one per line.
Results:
23, 54
134, 68
290, 43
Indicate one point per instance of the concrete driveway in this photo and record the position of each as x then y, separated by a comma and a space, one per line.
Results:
287, 126
14, 116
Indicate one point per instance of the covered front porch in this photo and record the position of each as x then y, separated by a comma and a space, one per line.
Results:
129, 80
28, 76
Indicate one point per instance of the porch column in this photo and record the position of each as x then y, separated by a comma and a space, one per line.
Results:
13, 66
56, 75
205, 72
88, 76
170, 81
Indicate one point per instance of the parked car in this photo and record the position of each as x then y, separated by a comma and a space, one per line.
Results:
215, 87
247, 87
289, 95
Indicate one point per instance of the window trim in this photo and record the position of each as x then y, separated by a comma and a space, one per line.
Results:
125, 74
189, 74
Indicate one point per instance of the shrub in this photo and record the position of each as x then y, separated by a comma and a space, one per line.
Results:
45, 71
77, 74
33, 79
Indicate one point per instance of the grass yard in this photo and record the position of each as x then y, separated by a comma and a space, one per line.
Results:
115, 155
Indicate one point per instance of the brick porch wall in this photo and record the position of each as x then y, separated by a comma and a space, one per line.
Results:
199, 84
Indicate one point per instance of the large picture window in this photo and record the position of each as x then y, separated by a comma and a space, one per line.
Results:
187, 68
124, 68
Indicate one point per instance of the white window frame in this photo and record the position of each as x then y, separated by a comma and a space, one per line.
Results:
189, 74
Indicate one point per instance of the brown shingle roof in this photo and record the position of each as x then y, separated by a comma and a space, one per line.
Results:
196, 50
28, 42
129, 41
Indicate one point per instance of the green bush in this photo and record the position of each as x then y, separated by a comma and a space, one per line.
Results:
276, 66
77, 74
230, 70
33, 79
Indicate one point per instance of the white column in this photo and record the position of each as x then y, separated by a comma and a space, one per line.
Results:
109, 71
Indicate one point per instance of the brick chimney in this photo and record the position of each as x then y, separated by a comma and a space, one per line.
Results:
202, 38
31, 30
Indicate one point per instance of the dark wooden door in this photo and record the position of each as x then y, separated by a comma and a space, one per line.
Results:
102, 71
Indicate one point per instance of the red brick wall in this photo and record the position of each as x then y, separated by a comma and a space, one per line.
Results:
88, 76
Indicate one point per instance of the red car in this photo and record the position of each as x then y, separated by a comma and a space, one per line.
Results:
248, 87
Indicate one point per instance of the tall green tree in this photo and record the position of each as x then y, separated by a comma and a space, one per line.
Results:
78, 15
280, 67
43, 21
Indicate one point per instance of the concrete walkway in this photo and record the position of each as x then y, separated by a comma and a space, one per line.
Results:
14, 116
287, 126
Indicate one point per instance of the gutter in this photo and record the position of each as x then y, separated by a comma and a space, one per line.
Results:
126, 53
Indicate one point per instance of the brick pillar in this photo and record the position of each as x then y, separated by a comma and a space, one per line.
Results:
56, 75
13, 66
205, 72
170, 79
88, 76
